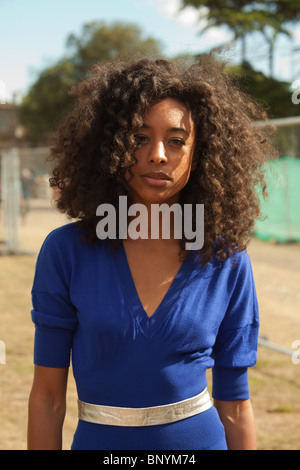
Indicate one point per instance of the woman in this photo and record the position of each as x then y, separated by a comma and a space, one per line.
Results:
146, 317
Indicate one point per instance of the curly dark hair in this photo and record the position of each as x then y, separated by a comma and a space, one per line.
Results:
94, 146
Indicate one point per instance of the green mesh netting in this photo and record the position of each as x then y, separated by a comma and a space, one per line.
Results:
280, 219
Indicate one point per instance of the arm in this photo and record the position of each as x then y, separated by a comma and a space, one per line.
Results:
47, 407
238, 420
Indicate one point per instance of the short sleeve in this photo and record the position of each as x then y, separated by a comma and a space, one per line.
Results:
53, 313
235, 349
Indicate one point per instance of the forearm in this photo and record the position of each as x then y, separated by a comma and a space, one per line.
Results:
45, 422
238, 420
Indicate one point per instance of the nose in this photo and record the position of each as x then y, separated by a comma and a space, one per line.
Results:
157, 154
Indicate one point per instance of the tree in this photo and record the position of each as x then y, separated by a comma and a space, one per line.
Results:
100, 42
272, 94
48, 98
270, 17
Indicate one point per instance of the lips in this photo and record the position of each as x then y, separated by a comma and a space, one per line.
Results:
156, 179
157, 176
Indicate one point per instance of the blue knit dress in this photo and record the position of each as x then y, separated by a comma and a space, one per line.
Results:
86, 307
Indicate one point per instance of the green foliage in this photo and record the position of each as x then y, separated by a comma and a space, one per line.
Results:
269, 17
48, 98
100, 42
242, 16
274, 95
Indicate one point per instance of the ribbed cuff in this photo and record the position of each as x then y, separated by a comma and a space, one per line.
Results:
230, 384
52, 347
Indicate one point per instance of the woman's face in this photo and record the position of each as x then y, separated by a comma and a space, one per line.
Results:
165, 154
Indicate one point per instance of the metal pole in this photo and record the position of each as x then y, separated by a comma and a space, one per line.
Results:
268, 344
10, 194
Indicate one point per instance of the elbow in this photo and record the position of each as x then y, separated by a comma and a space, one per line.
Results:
47, 404
233, 411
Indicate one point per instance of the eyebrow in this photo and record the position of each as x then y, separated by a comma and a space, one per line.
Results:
172, 129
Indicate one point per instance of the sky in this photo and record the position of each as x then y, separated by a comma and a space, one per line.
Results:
33, 34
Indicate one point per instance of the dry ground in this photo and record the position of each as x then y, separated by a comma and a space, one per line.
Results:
275, 381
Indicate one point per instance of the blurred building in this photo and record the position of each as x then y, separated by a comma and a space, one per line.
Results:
10, 127
12, 135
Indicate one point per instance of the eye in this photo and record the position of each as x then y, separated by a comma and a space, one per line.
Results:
141, 139
177, 142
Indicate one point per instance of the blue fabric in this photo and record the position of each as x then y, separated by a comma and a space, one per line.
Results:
85, 301
202, 431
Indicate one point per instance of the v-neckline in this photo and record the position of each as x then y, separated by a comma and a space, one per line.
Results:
132, 295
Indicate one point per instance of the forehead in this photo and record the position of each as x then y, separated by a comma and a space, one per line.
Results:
170, 111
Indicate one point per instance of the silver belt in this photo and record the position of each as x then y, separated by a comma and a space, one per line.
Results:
120, 416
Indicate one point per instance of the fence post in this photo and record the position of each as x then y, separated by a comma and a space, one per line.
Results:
10, 199
2, 353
